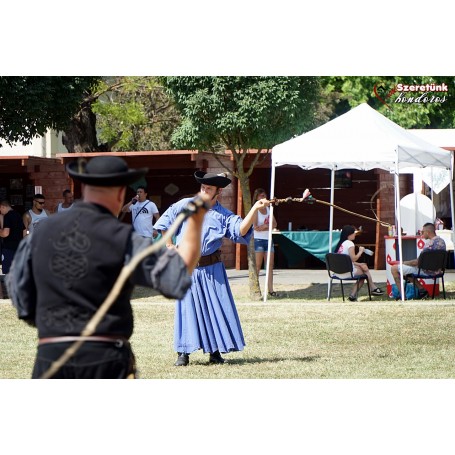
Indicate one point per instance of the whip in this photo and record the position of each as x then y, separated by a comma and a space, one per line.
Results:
309, 199
192, 208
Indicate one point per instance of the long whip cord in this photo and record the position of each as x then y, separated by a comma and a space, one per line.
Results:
125, 273
310, 200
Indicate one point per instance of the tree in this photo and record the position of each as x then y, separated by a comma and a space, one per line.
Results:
242, 114
340, 93
128, 113
135, 113
29, 105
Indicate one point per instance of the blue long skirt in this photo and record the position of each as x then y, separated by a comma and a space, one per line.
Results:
207, 318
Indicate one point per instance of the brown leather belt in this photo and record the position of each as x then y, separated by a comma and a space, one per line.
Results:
117, 340
210, 259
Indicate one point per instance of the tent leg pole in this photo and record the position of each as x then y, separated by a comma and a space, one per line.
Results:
452, 206
267, 269
398, 222
332, 197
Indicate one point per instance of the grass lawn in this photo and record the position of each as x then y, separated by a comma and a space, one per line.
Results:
299, 335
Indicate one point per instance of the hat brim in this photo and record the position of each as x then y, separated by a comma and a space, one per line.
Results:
212, 180
115, 179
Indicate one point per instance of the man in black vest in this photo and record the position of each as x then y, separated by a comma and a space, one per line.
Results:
11, 233
64, 271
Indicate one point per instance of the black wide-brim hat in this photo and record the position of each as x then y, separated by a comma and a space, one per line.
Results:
104, 171
218, 180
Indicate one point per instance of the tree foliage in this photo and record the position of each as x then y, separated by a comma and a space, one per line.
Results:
135, 113
242, 114
340, 93
29, 105
238, 113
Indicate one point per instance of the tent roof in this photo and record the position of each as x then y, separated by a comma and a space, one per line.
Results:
444, 138
360, 139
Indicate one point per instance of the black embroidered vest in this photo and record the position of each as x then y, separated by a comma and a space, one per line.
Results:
77, 256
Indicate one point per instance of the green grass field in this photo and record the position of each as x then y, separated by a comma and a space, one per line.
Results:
299, 335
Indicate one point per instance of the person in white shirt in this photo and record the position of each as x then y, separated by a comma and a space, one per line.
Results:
346, 246
261, 222
142, 213
33, 216
67, 203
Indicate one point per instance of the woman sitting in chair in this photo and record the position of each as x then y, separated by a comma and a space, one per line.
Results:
346, 246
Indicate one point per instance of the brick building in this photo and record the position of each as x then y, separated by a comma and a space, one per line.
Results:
170, 178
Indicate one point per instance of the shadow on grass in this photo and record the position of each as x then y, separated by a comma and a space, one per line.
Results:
306, 292
308, 358
318, 292
256, 360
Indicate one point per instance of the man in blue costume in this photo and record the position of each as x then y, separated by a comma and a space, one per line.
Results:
206, 318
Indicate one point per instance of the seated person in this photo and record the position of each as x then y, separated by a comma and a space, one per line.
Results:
409, 267
346, 246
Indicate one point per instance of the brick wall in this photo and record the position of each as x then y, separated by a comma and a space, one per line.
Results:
51, 176
386, 209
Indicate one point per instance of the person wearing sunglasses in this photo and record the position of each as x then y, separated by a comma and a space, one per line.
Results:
37, 213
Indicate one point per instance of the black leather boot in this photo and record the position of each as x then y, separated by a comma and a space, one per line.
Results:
215, 357
182, 360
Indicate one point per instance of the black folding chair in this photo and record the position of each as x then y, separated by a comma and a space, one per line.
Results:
340, 264
435, 262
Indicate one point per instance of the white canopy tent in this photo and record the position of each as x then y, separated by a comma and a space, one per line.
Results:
360, 139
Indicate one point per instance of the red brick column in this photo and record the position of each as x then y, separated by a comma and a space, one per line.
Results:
51, 175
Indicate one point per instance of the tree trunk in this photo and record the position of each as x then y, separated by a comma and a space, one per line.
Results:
253, 280
80, 135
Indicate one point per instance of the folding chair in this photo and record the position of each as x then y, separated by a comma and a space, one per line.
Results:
340, 264
434, 261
